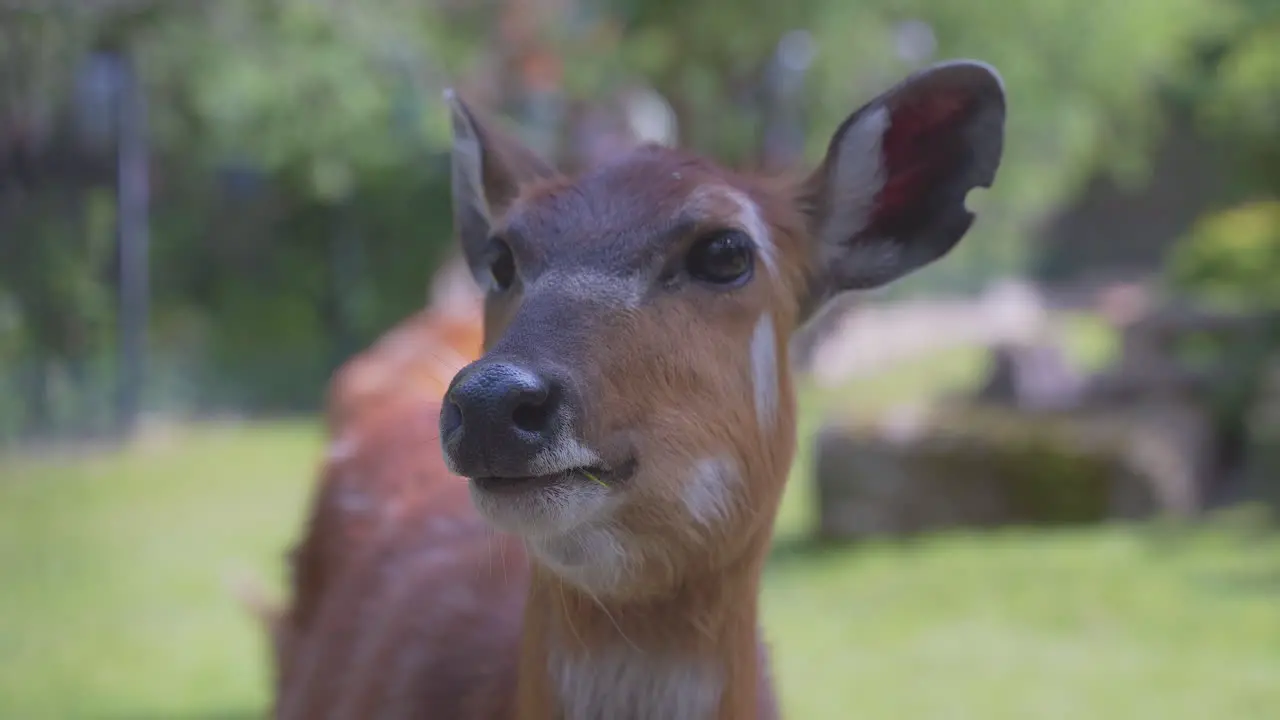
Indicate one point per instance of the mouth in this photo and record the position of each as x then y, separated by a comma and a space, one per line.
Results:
598, 475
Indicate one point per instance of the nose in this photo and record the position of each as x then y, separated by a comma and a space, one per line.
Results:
498, 416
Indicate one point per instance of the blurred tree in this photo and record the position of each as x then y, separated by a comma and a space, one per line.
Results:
1082, 86
321, 101
337, 107
55, 240
312, 90
1230, 257
1236, 92
1082, 83
301, 185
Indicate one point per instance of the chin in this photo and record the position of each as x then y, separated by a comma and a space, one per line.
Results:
567, 522
543, 507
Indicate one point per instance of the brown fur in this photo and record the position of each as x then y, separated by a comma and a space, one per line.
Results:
694, 596
381, 485
368, 610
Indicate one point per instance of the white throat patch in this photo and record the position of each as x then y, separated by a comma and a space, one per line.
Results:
626, 684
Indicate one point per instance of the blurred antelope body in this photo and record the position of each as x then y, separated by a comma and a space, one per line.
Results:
578, 529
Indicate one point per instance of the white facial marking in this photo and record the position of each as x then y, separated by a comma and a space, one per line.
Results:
553, 511
753, 223
859, 175
747, 218
566, 454
764, 371
593, 557
626, 684
708, 491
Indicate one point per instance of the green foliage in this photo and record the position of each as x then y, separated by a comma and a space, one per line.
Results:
334, 278
333, 108
1239, 95
336, 104
301, 86
1233, 257
56, 252
1230, 259
705, 57
1080, 83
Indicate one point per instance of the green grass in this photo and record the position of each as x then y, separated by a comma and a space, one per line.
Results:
1103, 623
116, 568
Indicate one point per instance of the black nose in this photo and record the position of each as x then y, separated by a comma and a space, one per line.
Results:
498, 416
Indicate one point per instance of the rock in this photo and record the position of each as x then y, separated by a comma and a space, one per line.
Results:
988, 466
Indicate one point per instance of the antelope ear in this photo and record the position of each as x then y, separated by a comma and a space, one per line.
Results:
489, 168
889, 197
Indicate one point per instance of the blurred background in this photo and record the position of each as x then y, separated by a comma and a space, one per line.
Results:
1034, 481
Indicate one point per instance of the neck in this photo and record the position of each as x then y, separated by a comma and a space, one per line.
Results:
694, 653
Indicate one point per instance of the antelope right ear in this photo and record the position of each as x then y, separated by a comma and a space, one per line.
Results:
889, 198
489, 168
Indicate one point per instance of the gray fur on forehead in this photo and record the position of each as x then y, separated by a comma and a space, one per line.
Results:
644, 189
569, 232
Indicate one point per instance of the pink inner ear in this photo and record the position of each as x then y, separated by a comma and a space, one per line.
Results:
918, 149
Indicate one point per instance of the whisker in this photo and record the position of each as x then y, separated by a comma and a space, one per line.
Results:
616, 626
526, 552
564, 604
488, 541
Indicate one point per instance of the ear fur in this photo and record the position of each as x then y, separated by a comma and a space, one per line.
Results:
889, 197
489, 167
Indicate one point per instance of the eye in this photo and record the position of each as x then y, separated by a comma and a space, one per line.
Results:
502, 265
722, 258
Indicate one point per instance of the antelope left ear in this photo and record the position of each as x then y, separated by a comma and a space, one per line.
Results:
488, 168
889, 197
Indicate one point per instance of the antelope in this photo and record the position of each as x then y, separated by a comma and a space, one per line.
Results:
406, 369
584, 517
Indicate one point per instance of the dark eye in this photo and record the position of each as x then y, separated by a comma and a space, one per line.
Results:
722, 258
502, 265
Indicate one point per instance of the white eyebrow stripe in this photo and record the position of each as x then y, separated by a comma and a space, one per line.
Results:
748, 218
753, 223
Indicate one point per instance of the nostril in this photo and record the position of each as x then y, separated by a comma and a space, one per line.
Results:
533, 411
450, 418
500, 402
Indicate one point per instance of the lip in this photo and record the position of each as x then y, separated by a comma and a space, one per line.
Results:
513, 485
